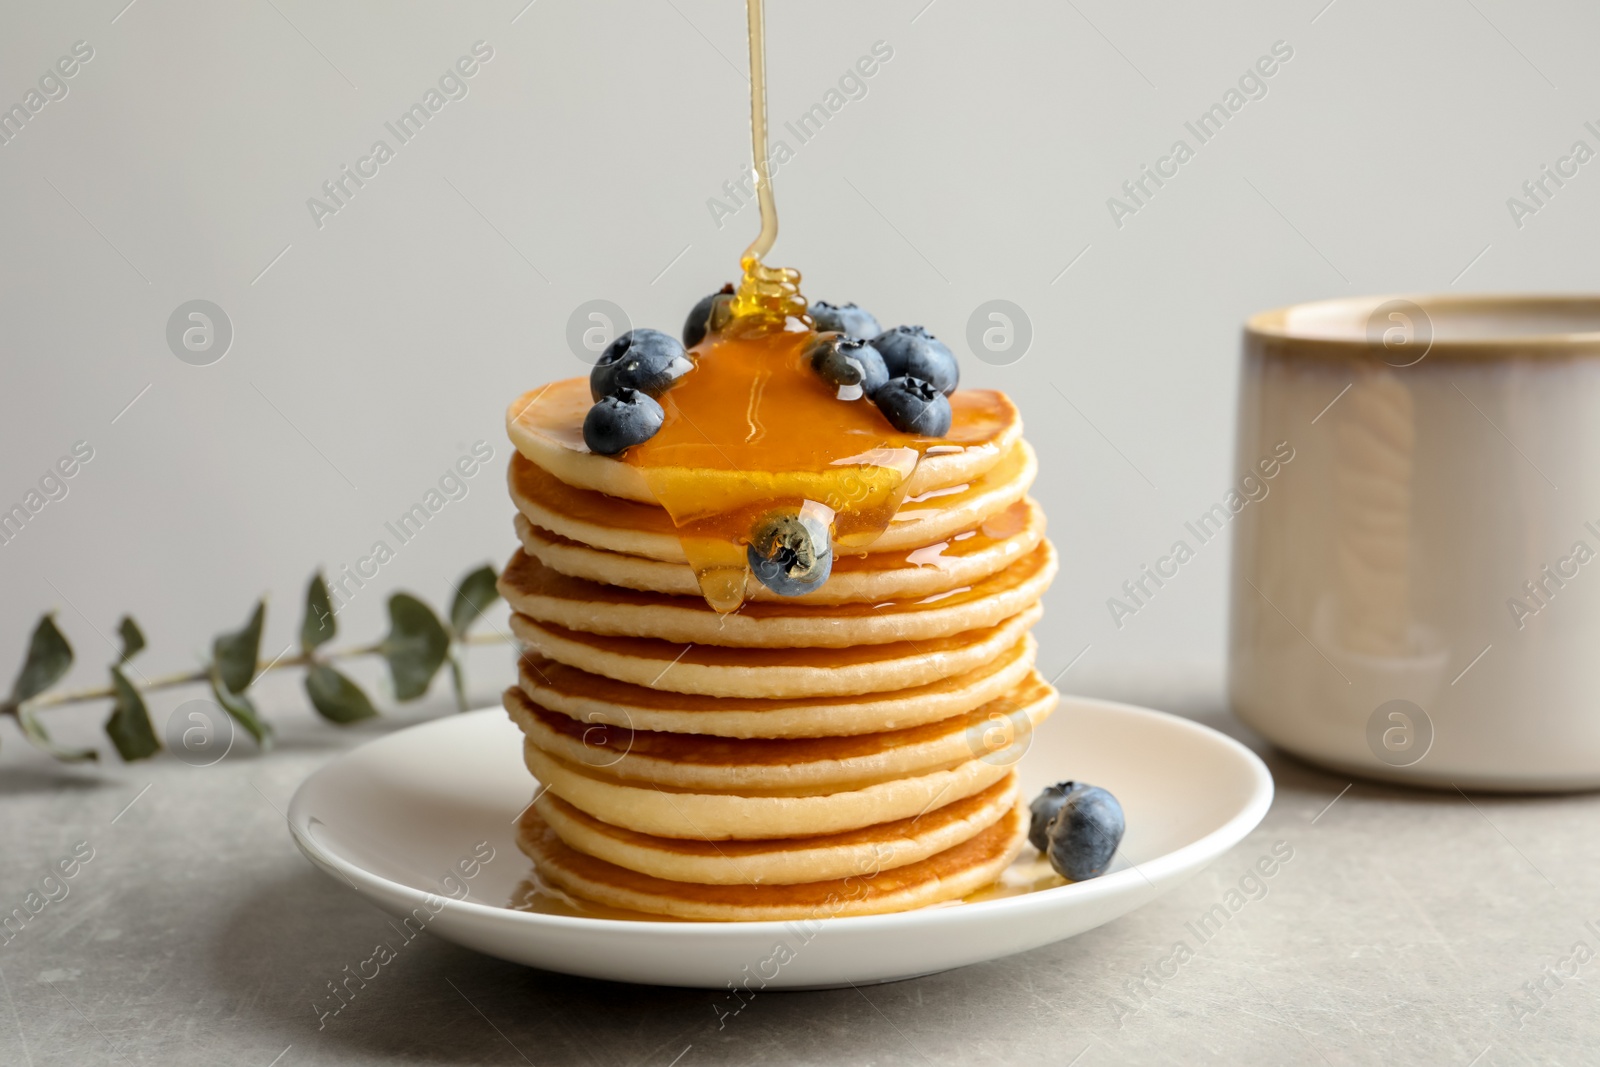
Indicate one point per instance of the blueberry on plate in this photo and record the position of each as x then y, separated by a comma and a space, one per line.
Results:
847, 319
1083, 833
646, 360
913, 350
913, 405
842, 361
791, 552
627, 417
710, 313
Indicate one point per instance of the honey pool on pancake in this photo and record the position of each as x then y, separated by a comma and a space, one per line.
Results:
753, 428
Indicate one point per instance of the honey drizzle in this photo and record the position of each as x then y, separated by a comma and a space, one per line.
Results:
755, 13
799, 444
769, 294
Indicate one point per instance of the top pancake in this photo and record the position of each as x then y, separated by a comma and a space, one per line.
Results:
546, 426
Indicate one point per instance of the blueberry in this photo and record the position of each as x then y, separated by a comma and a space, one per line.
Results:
646, 360
791, 552
844, 360
1043, 809
914, 406
913, 350
846, 319
711, 313
627, 418
1083, 834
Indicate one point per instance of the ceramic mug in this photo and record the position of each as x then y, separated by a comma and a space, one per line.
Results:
1418, 597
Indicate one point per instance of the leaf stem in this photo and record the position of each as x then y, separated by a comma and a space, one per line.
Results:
182, 678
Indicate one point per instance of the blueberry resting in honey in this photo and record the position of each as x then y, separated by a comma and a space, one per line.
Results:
843, 361
628, 417
847, 319
791, 552
914, 406
710, 313
913, 350
646, 360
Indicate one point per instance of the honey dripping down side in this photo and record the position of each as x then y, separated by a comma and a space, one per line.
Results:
753, 433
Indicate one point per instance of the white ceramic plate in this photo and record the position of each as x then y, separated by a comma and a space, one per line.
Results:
402, 818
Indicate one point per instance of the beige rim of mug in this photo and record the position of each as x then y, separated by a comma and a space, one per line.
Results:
1270, 334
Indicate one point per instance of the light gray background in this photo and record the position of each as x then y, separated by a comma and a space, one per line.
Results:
981, 160
370, 353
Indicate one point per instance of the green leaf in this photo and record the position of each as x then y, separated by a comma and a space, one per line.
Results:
35, 732
132, 638
475, 595
239, 707
336, 697
317, 628
235, 655
129, 725
49, 656
415, 646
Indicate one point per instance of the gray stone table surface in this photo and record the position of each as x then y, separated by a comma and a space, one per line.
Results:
1408, 927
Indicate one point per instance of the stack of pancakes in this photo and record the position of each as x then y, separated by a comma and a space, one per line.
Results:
849, 751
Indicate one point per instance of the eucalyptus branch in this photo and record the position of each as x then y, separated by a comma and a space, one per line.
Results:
195, 677
417, 646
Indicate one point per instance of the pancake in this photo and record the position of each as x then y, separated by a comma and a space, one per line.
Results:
785, 861
947, 875
1002, 726
705, 816
592, 699
635, 529
963, 559
546, 426
550, 597
779, 672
